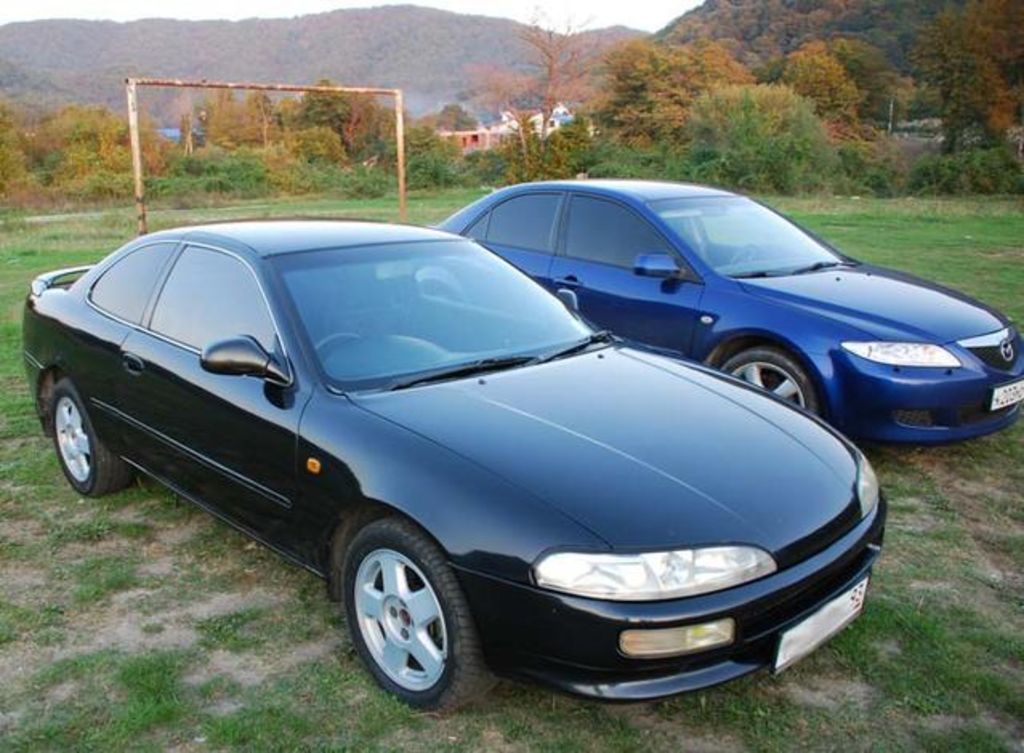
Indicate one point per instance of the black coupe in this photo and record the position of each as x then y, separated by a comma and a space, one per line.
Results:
486, 483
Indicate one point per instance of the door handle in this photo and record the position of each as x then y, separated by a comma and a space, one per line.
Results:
132, 364
569, 281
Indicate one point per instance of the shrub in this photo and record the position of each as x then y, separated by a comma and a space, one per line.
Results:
978, 171
759, 138
877, 167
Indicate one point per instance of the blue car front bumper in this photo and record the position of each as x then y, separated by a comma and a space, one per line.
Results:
922, 405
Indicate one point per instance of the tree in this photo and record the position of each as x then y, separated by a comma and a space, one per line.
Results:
556, 72
954, 56
650, 88
363, 125
814, 72
453, 117
759, 138
12, 160
880, 85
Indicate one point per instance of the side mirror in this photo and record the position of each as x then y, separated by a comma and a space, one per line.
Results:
568, 298
242, 356
656, 265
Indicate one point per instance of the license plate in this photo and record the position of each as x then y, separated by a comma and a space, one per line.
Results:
807, 635
1007, 394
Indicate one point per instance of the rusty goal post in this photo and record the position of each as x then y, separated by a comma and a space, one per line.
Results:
131, 90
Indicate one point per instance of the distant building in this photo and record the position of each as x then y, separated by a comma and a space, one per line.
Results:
485, 137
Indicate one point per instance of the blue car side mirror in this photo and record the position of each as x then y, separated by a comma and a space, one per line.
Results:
656, 265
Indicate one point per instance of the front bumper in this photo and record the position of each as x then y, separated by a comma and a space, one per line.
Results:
572, 643
883, 403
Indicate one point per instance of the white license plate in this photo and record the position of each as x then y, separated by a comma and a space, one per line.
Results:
1007, 394
807, 635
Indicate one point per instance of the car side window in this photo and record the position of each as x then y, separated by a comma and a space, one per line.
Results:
125, 288
478, 230
606, 232
210, 295
525, 222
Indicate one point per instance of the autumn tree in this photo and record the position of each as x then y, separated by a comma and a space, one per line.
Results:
815, 73
12, 160
881, 86
556, 71
650, 88
955, 56
365, 127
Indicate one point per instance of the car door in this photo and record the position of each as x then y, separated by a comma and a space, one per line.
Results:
522, 230
600, 242
118, 299
226, 442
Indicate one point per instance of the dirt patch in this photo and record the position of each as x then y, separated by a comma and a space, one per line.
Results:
830, 693
249, 669
671, 733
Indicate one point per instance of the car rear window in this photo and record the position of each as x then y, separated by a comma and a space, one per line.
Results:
525, 222
125, 288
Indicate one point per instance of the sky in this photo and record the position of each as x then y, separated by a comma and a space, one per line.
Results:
648, 15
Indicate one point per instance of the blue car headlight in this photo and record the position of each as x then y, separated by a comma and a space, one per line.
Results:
651, 576
867, 485
904, 354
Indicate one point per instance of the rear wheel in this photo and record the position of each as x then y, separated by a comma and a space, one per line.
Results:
87, 463
408, 619
775, 371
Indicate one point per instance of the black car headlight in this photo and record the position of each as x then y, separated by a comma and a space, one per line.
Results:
867, 485
652, 576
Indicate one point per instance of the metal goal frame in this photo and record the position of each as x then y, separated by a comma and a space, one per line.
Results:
132, 85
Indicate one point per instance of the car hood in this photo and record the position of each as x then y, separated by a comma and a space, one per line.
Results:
883, 303
644, 451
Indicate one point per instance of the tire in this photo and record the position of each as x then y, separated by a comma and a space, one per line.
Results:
454, 672
775, 370
91, 468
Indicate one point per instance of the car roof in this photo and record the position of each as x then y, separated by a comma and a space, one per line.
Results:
643, 190
271, 237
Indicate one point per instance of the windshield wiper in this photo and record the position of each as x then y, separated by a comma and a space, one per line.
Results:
759, 273
601, 336
465, 370
819, 265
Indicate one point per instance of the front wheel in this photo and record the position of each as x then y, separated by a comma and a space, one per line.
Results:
408, 618
777, 372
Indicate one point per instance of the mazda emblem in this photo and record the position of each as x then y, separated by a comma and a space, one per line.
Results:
1006, 348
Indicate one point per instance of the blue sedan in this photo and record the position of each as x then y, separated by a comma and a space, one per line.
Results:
720, 278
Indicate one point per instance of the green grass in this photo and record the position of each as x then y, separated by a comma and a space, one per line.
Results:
138, 622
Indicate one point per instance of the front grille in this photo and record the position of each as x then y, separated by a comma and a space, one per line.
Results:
914, 417
994, 354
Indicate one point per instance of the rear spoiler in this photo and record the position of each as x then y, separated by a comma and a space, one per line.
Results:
58, 278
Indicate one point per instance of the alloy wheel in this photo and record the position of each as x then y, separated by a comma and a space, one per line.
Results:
400, 620
773, 379
72, 439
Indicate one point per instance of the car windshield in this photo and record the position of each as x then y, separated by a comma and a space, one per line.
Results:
740, 238
386, 315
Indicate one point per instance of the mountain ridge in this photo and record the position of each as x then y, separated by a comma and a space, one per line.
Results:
427, 52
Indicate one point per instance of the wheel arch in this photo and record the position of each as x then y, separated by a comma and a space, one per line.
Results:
45, 383
347, 525
738, 342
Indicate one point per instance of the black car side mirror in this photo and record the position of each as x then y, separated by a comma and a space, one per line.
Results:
656, 265
568, 299
242, 356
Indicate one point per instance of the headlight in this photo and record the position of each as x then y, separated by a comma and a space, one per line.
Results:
904, 354
652, 576
867, 485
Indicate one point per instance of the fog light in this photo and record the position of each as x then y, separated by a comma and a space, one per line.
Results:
650, 644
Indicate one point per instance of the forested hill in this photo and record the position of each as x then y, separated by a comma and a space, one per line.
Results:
764, 29
429, 53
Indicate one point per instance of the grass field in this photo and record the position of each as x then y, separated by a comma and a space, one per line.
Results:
138, 622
